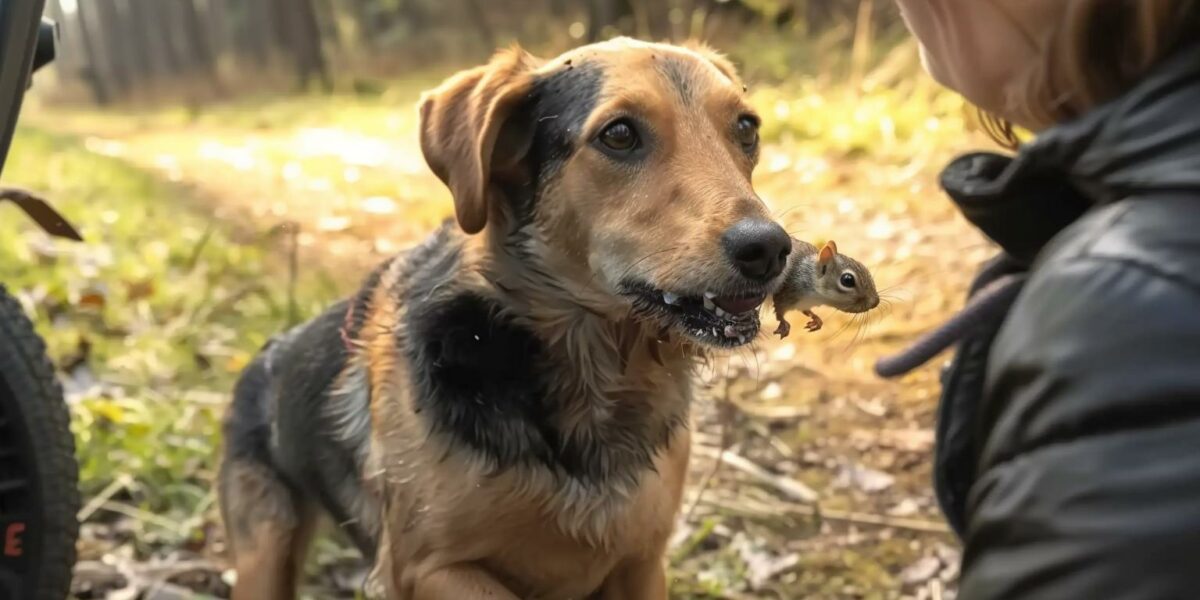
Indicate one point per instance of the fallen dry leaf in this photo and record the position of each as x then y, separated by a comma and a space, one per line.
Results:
921, 571
761, 565
863, 478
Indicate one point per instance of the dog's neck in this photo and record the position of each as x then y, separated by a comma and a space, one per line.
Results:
621, 394
607, 355
574, 314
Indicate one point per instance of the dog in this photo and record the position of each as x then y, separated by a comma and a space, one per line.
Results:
502, 411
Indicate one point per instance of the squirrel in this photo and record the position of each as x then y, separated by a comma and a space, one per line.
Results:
822, 277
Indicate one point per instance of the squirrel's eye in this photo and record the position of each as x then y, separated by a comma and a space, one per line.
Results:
619, 136
847, 281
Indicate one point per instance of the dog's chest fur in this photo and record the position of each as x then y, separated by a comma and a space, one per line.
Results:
478, 410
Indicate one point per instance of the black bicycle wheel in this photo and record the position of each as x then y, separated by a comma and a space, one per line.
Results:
39, 494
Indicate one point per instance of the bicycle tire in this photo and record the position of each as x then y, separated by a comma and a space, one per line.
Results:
39, 475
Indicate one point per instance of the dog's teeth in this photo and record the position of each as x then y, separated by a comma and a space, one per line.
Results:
710, 295
731, 332
720, 313
708, 303
741, 339
670, 298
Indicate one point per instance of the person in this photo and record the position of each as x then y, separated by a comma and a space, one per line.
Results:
1068, 454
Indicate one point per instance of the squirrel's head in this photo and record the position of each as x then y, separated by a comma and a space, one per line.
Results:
844, 283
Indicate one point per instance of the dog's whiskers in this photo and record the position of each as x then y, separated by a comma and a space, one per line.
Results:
778, 215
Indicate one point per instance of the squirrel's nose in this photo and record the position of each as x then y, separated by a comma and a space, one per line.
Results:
757, 247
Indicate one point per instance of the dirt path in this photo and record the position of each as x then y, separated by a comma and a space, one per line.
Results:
806, 410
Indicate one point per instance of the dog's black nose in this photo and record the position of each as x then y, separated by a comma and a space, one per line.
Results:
758, 247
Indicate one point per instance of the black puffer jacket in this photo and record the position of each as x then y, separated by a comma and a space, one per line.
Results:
1069, 437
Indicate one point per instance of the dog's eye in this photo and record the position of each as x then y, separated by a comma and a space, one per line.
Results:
747, 132
619, 136
847, 281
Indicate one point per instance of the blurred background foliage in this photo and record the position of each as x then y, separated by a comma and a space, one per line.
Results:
236, 165
202, 49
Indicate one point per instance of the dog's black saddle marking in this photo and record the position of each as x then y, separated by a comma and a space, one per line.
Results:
479, 378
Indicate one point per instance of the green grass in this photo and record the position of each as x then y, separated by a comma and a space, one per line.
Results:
887, 124
170, 306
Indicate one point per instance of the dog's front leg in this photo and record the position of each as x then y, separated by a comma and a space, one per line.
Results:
639, 579
461, 582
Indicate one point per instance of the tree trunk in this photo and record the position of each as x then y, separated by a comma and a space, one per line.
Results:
133, 55
364, 23
164, 22
202, 60
217, 27
411, 11
94, 73
257, 34
107, 25
486, 34
601, 14
301, 37
327, 23
75, 30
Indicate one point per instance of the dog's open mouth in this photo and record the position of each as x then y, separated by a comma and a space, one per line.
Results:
710, 318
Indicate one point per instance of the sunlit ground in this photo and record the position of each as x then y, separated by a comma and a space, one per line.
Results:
195, 220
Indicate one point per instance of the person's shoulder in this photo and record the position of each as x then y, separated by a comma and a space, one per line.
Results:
1158, 235
1124, 258
1107, 326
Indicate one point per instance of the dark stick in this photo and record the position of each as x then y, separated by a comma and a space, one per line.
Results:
989, 303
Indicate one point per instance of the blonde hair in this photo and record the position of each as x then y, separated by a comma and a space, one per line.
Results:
1101, 49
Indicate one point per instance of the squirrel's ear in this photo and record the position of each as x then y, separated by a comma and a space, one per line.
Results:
828, 251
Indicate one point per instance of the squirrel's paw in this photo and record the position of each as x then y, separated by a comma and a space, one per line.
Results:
784, 329
814, 323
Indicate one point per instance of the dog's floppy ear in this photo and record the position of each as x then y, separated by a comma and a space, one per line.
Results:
467, 131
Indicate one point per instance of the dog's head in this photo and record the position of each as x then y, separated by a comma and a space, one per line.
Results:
631, 164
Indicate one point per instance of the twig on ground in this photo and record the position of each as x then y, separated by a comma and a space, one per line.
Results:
210, 498
725, 415
96, 574
205, 312
121, 483
858, 518
792, 489
169, 570
882, 520
134, 512
781, 447
935, 589
198, 248
127, 579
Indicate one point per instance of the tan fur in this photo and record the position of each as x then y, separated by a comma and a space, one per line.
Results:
268, 535
450, 525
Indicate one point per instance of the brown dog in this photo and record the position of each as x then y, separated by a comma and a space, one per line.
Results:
503, 415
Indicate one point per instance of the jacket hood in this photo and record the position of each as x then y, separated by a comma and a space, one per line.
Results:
1146, 142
